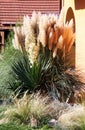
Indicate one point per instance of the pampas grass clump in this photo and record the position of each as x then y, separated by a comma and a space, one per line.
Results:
46, 30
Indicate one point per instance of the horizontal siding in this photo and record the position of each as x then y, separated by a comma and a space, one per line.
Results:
12, 10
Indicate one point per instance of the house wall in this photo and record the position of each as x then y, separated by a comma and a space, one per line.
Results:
78, 7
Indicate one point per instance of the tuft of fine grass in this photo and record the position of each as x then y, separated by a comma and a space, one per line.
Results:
73, 118
29, 108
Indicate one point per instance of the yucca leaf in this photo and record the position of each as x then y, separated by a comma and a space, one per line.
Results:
30, 75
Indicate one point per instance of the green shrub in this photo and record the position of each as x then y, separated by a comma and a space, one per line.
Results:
6, 60
5, 70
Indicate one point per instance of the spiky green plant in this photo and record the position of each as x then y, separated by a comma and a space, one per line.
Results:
46, 75
29, 76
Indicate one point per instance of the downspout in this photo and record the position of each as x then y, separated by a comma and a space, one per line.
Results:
62, 3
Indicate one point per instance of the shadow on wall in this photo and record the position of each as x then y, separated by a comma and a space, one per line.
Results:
79, 4
70, 59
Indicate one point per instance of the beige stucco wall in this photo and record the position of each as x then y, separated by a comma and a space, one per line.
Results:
80, 34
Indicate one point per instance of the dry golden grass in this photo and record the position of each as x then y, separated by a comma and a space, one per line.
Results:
29, 107
74, 116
